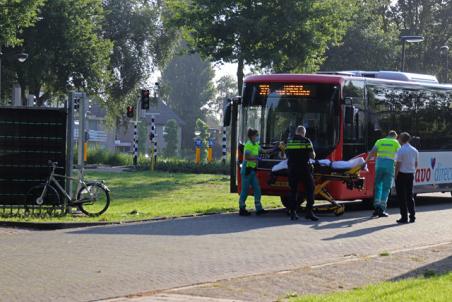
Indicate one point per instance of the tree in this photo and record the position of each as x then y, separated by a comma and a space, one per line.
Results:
186, 87
66, 50
371, 43
15, 16
285, 35
171, 138
431, 19
225, 87
141, 44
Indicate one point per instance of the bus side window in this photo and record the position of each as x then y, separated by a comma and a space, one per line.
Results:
354, 119
380, 113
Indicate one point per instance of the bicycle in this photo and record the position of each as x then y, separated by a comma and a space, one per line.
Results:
92, 199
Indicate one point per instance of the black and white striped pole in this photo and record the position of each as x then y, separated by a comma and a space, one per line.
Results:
153, 144
135, 144
224, 149
135, 134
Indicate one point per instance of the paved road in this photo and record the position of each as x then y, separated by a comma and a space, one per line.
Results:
114, 261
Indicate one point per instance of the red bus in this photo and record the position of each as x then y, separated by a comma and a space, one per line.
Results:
344, 115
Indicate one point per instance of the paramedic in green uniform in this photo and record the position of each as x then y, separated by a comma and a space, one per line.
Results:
385, 150
248, 174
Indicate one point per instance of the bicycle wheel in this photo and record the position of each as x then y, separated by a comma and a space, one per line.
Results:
94, 199
51, 197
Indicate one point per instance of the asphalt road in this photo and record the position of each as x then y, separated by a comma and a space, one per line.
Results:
113, 261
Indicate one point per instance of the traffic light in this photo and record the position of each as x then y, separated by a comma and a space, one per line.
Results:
130, 111
145, 99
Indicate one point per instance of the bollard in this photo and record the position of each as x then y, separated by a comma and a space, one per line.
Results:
85, 151
198, 156
198, 145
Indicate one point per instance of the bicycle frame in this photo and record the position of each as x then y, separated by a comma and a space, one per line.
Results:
53, 180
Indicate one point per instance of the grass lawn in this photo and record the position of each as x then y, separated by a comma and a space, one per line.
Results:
437, 288
143, 195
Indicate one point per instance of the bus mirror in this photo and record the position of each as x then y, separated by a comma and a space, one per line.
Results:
227, 113
349, 115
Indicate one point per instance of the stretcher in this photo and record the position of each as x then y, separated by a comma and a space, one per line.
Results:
326, 171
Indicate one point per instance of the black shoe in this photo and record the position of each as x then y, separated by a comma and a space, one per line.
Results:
244, 212
293, 215
412, 219
375, 213
402, 221
383, 214
311, 216
261, 212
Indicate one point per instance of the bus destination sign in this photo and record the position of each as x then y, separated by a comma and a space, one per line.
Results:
286, 90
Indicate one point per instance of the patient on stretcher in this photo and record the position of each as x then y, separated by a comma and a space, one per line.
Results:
323, 166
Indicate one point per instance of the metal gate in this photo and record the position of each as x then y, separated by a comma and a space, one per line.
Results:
29, 138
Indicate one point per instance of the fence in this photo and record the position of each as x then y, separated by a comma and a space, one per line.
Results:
29, 138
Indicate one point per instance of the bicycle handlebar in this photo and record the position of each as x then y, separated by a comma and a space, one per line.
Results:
54, 164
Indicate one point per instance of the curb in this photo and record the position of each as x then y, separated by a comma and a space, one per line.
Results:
49, 226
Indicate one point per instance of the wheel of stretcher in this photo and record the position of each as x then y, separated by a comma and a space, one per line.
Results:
339, 211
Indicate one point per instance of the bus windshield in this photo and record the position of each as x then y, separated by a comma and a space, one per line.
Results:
276, 110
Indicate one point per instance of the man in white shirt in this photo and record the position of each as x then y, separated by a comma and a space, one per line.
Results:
406, 164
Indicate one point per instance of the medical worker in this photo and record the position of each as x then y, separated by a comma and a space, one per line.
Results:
248, 174
385, 151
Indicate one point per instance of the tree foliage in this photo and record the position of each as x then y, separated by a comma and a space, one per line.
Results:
373, 42
369, 43
66, 50
107, 48
431, 19
15, 16
141, 44
186, 87
285, 35
225, 87
171, 138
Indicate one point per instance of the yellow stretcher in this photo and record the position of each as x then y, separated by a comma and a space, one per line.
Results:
322, 178
324, 175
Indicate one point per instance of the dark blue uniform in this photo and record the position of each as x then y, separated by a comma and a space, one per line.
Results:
300, 171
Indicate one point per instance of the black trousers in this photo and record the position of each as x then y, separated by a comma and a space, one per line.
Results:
304, 176
404, 188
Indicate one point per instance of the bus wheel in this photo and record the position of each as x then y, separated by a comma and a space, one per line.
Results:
368, 203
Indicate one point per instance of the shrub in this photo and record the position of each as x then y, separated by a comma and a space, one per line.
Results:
174, 165
187, 166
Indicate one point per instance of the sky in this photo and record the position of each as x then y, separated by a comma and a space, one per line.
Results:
225, 69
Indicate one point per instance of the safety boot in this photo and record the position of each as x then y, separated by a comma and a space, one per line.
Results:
293, 215
311, 216
244, 212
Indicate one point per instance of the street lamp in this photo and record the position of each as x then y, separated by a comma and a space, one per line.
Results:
408, 39
21, 57
445, 49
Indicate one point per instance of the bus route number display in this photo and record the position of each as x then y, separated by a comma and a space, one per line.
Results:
286, 90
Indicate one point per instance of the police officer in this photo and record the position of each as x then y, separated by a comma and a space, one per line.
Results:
385, 150
299, 150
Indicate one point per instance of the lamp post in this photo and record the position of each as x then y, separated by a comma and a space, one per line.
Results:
445, 49
21, 57
408, 39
